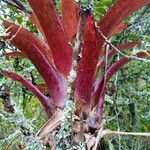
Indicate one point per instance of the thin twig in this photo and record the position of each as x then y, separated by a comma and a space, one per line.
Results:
103, 133
100, 107
81, 134
13, 36
116, 49
98, 138
113, 133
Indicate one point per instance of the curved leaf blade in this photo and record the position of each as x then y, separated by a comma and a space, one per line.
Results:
54, 33
120, 11
111, 53
112, 70
21, 33
43, 99
56, 84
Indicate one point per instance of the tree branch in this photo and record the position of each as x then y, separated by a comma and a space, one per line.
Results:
116, 49
116, 133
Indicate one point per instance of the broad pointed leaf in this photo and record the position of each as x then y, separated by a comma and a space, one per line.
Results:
120, 11
70, 17
55, 83
87, 65
20, 33
54, 33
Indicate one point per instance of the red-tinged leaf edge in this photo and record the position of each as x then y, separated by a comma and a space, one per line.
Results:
20, 32
70, 17
87, 66
111, 53
43, 99
55, 34
119, 28
55, 82
14, 54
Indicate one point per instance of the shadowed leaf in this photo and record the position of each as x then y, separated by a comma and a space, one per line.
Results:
119, 28
35, 21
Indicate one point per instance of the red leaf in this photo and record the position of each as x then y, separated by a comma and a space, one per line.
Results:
87, 65
20, 33
54, 33
35, 21
99, 96
55, 83
112, 70
114, 52
14, 54
70, 17
120, 11
43, 99
117, 13
119, 28
120, 63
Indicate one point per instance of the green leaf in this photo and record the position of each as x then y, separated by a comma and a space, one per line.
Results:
19, 19
100, 10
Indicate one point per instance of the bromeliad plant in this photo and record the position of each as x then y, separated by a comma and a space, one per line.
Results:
74, 50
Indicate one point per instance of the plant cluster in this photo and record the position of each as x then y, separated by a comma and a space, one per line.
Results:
73, 58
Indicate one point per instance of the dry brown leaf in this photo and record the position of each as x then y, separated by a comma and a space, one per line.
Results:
51, 124
90, 140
